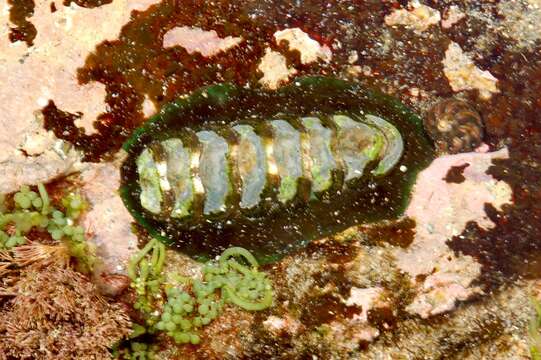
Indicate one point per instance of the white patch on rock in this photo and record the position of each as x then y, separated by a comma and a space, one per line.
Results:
441, 211
37, 140
149, 108
140, 5
353, 57
39, 157
419, 17
367, 298
194, 39
462, 73
274, 68
349, 333
280, 326
309, 48
450, 282
452, 15
108, 222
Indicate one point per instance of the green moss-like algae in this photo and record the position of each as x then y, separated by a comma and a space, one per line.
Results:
268, 233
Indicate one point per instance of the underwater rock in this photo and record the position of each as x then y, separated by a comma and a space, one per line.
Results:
451, 16
309, 48
518, 21
493, 328
107, 223
207, 43
463, 74
38, 158
441, 211
273, 65
450, 282
420, 17
251, 161
455, 126
367, 299
349, 333
282, 326
47, 70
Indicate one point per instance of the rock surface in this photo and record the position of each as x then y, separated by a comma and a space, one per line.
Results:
275, 71
309, 48
208, 43
441, 211
47, 71
462, 73
419, 17
324, 306
108, 222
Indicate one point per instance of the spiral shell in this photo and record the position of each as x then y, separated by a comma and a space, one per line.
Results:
454, 126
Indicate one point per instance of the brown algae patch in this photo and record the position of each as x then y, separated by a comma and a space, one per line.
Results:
19, 13
88, 3
456, 174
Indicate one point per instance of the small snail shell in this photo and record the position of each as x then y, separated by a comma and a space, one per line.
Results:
454, 126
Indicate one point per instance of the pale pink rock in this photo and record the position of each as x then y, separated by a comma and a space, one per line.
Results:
418, 17
108, 222
366, 299
282, 325
140, 5
193, 39
47, 71
310, 49
149, 108
452, 15
449, 283
273, 65
463, 74
39, 157
441, 211
348, 333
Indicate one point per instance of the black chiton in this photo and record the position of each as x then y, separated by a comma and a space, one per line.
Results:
270, 171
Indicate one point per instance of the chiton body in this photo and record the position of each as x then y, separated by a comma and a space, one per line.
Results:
270, 171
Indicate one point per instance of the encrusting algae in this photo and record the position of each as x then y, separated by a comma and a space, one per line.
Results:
56, 313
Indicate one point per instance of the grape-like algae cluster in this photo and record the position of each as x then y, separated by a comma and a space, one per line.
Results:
189, 304
32, 210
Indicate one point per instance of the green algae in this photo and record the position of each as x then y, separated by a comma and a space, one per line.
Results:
30, 212
182, 307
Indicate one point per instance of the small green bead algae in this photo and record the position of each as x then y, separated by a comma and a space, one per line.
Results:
33, 210
190, 304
